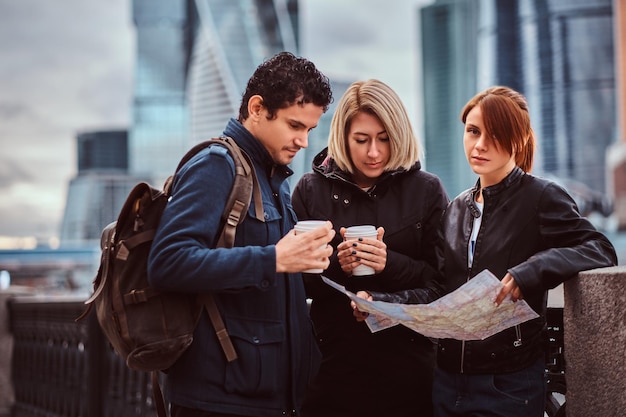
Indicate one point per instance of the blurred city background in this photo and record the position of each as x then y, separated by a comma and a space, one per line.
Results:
97, 96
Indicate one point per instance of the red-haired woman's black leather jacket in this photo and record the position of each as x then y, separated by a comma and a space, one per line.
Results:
530, 228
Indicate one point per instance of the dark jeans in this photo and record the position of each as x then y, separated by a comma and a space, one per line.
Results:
514, 394
178, 411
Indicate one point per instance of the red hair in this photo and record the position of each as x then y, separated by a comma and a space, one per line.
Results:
507, 120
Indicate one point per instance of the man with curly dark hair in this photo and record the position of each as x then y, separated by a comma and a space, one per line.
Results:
284, 80
257, 284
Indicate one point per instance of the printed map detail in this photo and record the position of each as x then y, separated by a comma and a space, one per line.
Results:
468, 313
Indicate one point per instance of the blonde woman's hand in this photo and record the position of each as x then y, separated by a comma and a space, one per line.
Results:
360, 315
362, 251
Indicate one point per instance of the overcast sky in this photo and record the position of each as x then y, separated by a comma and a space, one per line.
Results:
67, 66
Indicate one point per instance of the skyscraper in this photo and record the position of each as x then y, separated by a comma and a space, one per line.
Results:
159, 134
450, 78
100, 187
570, 84
616, 156
194, 58
558, 53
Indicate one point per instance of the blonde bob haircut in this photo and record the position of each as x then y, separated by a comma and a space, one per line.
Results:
376, 98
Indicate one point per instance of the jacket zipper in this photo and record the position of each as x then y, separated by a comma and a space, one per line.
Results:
462, 355
469, 274
463, 342
518, 333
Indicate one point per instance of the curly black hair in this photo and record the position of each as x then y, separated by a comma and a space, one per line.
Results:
284, 80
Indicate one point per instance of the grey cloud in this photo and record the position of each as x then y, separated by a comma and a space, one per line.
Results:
66, 67
111, 105
11, 111
28, 219
12, 172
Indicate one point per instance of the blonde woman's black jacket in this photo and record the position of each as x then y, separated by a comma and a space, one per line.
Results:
394, 365
532, 229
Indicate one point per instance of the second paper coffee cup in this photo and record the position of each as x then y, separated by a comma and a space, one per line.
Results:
355, 232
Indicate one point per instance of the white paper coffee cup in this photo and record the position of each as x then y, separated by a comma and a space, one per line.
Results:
304, 226
355, 232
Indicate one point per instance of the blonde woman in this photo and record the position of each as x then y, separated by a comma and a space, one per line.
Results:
371, 174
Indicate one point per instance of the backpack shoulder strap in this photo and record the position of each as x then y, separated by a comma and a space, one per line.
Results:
106, 243
245, 188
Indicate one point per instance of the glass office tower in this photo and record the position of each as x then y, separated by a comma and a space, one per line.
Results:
194, 58
571, 86
450, 78
98, 191
230, 39
158, 136
559, 53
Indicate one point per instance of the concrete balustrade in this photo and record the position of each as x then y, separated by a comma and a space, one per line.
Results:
594, 319
7, 396
6, 347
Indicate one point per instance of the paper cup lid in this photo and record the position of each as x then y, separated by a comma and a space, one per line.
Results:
356, 231
309, 224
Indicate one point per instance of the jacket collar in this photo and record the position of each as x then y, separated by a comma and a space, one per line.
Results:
255, 149
488, 192
326, 166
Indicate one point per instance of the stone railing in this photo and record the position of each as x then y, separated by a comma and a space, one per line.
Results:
64, 369
61, 368
594, 317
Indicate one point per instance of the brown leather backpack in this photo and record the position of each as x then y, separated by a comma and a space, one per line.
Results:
148, 328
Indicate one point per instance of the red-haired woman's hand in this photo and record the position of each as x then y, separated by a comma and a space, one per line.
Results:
509, 286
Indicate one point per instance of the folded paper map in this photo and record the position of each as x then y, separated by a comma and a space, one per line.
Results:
468, 313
